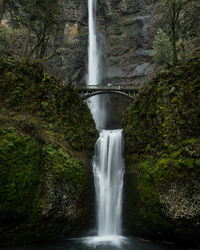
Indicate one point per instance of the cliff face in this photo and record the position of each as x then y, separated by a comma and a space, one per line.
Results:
70, 64
162, 156
45, 153
128, 42
126, 30
124, 41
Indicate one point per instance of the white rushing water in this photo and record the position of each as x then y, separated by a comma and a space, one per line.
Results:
93, 62
93, 56
96, 103
108, 173
108, 168
108, 164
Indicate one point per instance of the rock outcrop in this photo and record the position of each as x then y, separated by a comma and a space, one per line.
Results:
45, 156
162, 142
126, 31
125, 44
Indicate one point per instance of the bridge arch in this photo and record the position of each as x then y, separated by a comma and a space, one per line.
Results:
100, 92
87, 91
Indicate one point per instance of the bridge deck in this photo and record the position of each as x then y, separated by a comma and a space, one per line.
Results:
107, 88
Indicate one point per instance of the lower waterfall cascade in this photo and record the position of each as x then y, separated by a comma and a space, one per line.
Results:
108, 173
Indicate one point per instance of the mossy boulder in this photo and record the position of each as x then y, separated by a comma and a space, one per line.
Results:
162, 146
47, 136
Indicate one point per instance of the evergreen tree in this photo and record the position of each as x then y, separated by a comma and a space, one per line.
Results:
162, 49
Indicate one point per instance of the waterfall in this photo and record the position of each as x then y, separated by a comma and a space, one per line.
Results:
93, 56
93, 62
108, 163
108, 172
96, 103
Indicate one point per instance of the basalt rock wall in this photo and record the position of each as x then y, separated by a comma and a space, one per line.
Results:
126, 30
45, 156
162, 151
125, 44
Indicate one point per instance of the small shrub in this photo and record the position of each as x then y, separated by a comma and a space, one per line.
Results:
162, 50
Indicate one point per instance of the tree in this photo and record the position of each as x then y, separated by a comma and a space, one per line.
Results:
46, 17
174, 9
40, 19
162, 49
7, 6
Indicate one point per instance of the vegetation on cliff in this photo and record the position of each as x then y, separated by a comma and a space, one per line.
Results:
162, 140
177, 25
47, 137
39, 21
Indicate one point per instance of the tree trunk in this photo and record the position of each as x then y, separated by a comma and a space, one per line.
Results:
33, 50
175, 57
174, 18
27, 41
2, 11
42, 49
43, 44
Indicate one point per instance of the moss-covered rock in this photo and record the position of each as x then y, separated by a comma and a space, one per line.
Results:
162, 141
47, 136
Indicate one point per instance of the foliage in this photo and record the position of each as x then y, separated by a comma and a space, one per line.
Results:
27, 89
40, 21
162, 145
184, 32
19, 172
63, 167
25, 167
7, 6
163, 113
191, 20
162, 49
41, 18
9, 39
42, 145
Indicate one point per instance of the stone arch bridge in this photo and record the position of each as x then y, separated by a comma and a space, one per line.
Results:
87, 91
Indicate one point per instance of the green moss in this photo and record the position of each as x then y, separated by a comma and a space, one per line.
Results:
163, 112
47, 136
19, 172
62, 165
147, 185
162, 147
27, 88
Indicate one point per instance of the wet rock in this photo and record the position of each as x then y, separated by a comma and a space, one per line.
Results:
162, 149
178, 202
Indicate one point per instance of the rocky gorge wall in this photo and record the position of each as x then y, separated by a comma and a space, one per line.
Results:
45, 156
124, 42
162, 150
40, 123
126, 33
